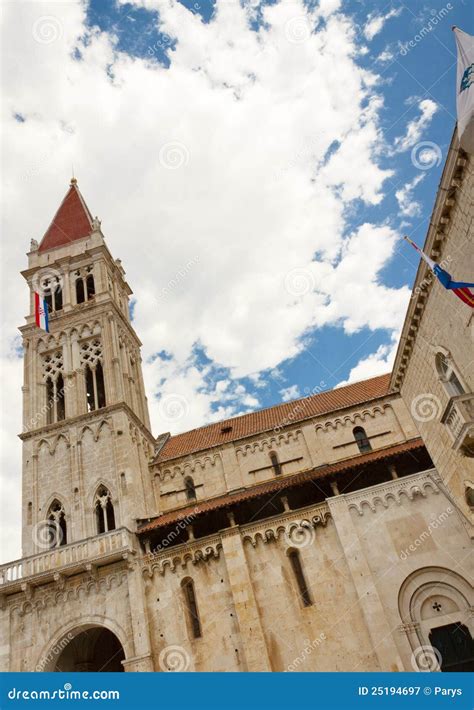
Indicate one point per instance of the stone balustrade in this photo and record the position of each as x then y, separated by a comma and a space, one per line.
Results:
68, 559
459, 419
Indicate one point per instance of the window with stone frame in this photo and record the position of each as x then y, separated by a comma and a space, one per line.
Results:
57, 527
104, 510
91, 360
448, 375
190, 603
362, 439
190, 488
297, 567
53, 378
275, 461
84, 284
50, 287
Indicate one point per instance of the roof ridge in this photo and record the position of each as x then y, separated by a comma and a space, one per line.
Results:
282, 404
261, 420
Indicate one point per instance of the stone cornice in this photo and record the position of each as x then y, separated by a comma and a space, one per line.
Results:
87, 417
451, 181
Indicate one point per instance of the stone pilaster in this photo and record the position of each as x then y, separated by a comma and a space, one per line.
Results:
372, 609
248, 616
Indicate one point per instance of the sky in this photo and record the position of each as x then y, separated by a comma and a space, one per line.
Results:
255, 165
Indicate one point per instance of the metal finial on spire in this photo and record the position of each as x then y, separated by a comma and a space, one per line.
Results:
73, 179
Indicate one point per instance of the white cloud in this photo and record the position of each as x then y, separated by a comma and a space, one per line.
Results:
377, 363
408, 206
231, 234
376, 22
289, 393
415, 128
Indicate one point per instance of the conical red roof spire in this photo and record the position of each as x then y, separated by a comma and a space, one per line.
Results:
72, 221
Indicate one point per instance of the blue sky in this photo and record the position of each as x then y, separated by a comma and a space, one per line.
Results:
123, 83
418, 69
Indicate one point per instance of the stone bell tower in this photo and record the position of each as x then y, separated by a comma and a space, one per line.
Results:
86, 429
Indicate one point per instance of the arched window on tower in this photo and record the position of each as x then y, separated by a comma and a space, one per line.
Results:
95, 388
57, 528
190, 488
447, 374
90, 287
190, 602
51, 290
362, 440
104, 510
296, 566
276, 465
80, 294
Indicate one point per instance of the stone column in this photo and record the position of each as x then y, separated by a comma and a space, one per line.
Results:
379, 630
248, 617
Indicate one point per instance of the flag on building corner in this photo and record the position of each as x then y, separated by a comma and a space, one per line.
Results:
41, 313
462, 289
465, 89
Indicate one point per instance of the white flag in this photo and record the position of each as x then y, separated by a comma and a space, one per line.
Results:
465, 89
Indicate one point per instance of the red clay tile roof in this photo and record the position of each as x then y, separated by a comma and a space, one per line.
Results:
72, 221
277, 484
274, 417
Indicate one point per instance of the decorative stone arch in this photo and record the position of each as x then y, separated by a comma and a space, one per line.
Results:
431, 598
46, 661
110, 519
449, 375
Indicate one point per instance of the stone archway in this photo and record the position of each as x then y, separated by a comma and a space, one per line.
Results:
88, 648
435, 605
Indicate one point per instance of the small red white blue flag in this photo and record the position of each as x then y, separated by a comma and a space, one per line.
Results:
41, 312
462, 289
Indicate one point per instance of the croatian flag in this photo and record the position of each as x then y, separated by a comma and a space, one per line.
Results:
41, 313
462, 289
